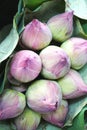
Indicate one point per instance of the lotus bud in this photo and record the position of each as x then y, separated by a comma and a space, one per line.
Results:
25, 66
61, 26
12, 104
55, 62
76, 48
72, 85
28, 120
58, 116
36, 35
44, 96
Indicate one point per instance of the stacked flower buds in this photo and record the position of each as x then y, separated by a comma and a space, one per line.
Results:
45, 73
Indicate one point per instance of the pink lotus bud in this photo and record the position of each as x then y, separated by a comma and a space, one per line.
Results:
36, 35
12, 104
61, 26
44, 96
25, 66
58, 116
55, 62
28, 120
76, 48
72, 85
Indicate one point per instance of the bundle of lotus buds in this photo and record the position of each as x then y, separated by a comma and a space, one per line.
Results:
43, 76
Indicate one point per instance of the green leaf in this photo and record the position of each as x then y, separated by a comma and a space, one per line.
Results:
83, 73
5, 31
8, 45
20, 6
46, 11
79, 121
33, 4
75, 107
47, 126
4, 125
7, 125
78, 6
18, 22
3, 79
80, 28
52, 127
12, 125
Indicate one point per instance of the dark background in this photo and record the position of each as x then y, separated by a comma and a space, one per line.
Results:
8, 9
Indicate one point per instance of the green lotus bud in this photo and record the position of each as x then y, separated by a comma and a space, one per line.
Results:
25, 66
36, 35
61, 26
12, 104
76, 48
72, 85
44, 96
55, 62
57, 117
28, 120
